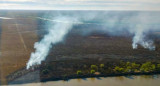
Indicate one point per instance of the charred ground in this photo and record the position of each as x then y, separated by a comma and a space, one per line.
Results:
77, 52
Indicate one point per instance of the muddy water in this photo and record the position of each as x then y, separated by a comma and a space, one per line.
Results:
153, 80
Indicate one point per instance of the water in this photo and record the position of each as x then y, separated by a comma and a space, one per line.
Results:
143, 80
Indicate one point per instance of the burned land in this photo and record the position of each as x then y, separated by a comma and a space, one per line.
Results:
75, 56
78, 55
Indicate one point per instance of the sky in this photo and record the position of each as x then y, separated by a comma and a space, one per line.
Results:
152, 5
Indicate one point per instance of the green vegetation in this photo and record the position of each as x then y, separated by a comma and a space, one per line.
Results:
94, 67
134, 68
101, 65
113, 68
79, 72
158, 67
102, 69
118, 69
123, 67
92, 71
147, 67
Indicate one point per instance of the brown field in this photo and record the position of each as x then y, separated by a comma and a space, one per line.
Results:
18, 36
17, 39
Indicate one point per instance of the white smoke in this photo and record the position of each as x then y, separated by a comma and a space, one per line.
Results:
5, 18
139, 38
144, 24
138, 25
56, 33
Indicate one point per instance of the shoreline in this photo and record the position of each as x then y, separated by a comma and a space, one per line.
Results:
95, 76
50, 71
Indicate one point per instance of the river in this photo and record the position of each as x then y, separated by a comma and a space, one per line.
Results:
143, 80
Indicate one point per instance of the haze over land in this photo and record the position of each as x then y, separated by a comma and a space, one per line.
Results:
136, 24
65, 36
108, 37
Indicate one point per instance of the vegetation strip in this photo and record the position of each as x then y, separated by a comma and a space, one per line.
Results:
121, 69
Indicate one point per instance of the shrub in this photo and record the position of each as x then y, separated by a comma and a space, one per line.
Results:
147, 67
158, 67
128, 69
118, 69
92, 71
153, 67
128, 64
79, 72
135, 67
101, 65
94, 67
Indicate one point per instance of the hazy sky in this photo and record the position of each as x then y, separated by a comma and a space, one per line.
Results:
81, 4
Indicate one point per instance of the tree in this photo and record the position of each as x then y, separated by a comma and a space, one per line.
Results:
92, 71
158, 67
101, 68
128, 64
135, 67
79, 72
118, 69
147, 67
153, 67
101, 65
94, 67
128, 69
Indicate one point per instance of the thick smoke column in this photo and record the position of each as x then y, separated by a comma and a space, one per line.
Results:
137, 24
56, 33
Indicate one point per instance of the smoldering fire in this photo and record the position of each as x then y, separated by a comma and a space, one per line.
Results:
137, 24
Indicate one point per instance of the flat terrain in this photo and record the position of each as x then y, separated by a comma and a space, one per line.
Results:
16, 43
19, 34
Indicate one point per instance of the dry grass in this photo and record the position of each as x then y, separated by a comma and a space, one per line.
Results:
16, 46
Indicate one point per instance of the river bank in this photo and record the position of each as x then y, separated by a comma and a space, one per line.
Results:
80, 68
142, 80
97, 76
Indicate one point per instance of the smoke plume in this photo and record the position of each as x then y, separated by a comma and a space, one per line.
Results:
5, 18
137, 24
56, 33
